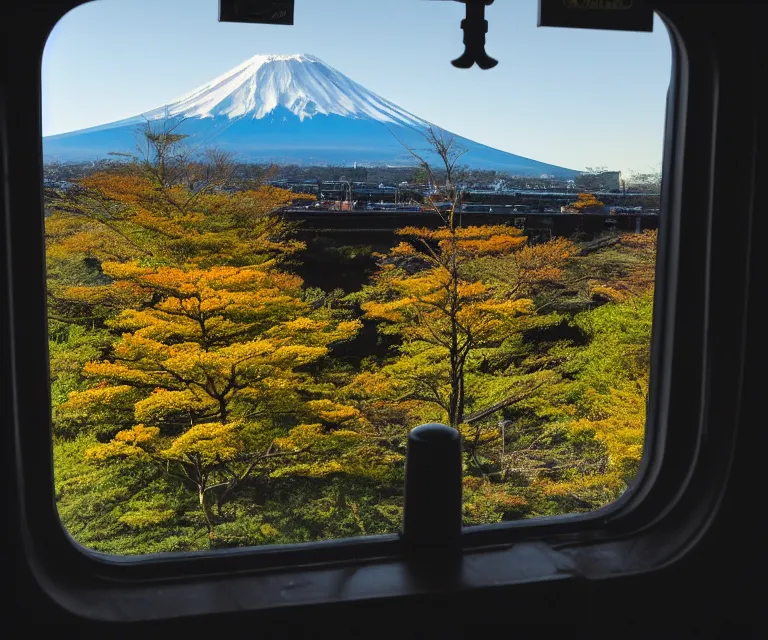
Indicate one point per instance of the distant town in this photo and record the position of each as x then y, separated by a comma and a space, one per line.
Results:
404, 189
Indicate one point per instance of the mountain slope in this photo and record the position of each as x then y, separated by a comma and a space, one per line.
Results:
288, 109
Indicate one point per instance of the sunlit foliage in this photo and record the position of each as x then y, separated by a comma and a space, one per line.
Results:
199, 399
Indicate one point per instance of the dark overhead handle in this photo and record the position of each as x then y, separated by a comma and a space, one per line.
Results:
475, 26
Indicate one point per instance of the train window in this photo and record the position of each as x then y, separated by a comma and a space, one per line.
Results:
231, 334
256, 289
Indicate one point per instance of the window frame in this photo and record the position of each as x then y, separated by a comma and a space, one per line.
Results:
684, 469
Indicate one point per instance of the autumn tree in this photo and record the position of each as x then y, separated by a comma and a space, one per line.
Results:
168, 206
586, 202
459, 299
205, 366
130, 214
208, 375
125, 215
165, 207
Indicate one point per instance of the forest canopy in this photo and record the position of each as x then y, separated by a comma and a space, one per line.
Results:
201, 396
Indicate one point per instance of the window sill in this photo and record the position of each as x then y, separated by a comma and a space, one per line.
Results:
569, 558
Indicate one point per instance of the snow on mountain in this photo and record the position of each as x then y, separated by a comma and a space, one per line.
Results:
301, 83
288, 109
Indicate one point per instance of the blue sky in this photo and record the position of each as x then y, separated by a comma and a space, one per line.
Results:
574, 98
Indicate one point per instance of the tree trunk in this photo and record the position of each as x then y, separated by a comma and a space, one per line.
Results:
206, 514
456, 402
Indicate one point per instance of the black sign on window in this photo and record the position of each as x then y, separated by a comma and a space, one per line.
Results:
256, 11
617, 15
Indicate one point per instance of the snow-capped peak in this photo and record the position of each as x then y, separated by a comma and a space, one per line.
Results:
301, 83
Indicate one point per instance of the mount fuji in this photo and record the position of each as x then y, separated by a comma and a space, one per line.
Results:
289, 109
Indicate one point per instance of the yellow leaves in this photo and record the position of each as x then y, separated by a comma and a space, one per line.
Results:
183, 282
118, 373
311, 332
484, 231
609, 293
418, 232
123, 187
645, 241
191, 364
424, 284
402, 249
467, 431
160, 223
119, 294
335, 413
586, 201
136, 347
273, 384
609, 483
246, 279
83, 238
296, 355
138, 435
163, 402
132, 212
310, 470
553, 253
202, 304
237, 353
390, 311
490, 245
509, 308
468, 290
305, 324
370, 383
312, 436
468, 241
344, 434
103, 396
427, 304
208, 442
133, 442
300, 437
462, 233
346, 330
617, 419
124, 270
544, 263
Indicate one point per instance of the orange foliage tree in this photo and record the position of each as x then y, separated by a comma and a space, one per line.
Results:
459, 300
165, 208
208, 379
209, 376
585, 202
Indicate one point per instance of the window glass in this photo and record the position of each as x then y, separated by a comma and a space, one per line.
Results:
274, 250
